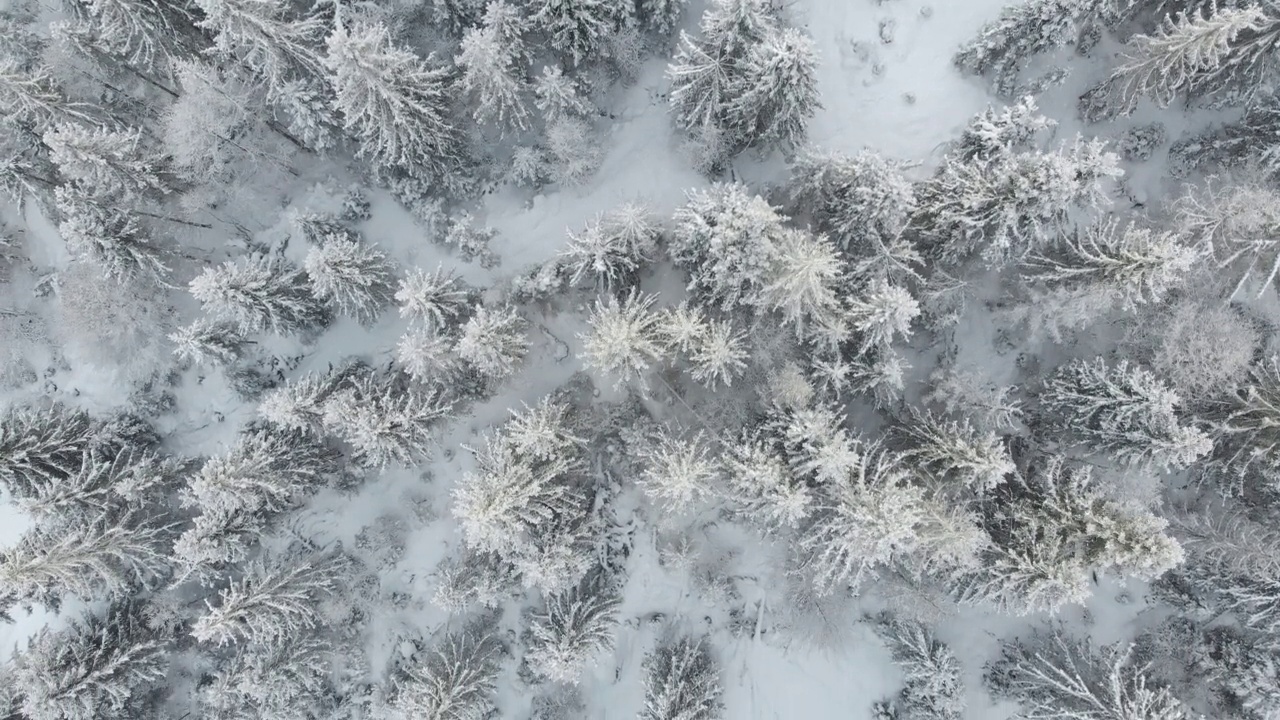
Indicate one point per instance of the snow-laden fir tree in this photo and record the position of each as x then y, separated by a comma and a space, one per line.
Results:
432, 299
1052, 675
259, 293
682, 681
1134, 265
719, 355
106, 481
573, 152
266, 37
705, 73
933, 688
573, 629
880, 313
471, 240
140, 33
1239, 221
217, 539
612, 246
108, 554
31, 98
99, 667
804, 280
728, 240
863, 521
281, 679
864, 202
1025, 29
299, 405
493, 342
761, 486
1002, 131
392, 102
661, 16
108, 236
956, 450
273, 602
208, 342
578, 28
776, 91
971, 393
455, 681
106, 164
425, 355
473, 579
493, 60
677, 471
1053, 530
41, 445
1250, 428
815, 442
268, 470
560, 96
623, 342
353, 277
1126, 411
385, 419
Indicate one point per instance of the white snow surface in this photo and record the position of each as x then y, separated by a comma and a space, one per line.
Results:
903, 99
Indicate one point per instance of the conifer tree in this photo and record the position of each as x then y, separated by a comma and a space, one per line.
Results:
106, 482
108, 236
493, 61
560, 96
32, 98
573, 629
432, 299
677, 471
493, 342
729, 242
880, 313
275, 680
40, 446
141, 33
299, 405
622, 342
957, 450
264, 37
392, 102
353, 277
205, 341
268, 470
455, 681
718, 356
934, 689
804, 280
863, 201
578, 28
1023, 30
682, 682
103, 163
259, 293
386, 420
776, 93
99, 667
273, 602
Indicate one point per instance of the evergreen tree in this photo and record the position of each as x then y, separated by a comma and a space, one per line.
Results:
493, 60
578, 28
660, 16
41, 446
933, 689
392, 102
1023, 30
1249, 428
264, 37
804, 280
432, 299
141, 33
815, 442
613, 246
97, 669
573, 629
1135, 265
106, 482
30, 97
353, 277
107, 554
205, 341
108, 236
776, 94
259, 293
682, 682
271, 603
268, 470
283, 679
762, 487
718, 355
386, 420
880, 313
104, 163
455, 681
1061, 677
677, 471
622, 341
493, 342
560, 96
728, 241
1239, 222
299, 405
425, 355
956, 450
1126, 411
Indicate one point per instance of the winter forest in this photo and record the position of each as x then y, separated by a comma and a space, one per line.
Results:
654, 359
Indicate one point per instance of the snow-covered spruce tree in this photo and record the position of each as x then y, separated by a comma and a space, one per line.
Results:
107, 236
718, 355
805, 278
208, 342
392, 102
623, 341
353, 277
473, 579
272, 602
578, 28
281, 679
266, 37
933, 688
1250, 428
558, 96
682, 681
1053, 675
109, 553
218, 538
573, 629
106, 482
761, 486
455, 681
863, 521
863, 201
31, 98
956, 450
704, 71
879, 313
1190, 49
41, 445
1052, 530
104, 163
99, 667
432, 299
386, 419
815, 442
776, 92
1135, 265
1003, 131
1024, 29
970, 393
1126, 411
1239, 220
677, 471
1006, 205
268, 470
143, 34
612, 246
425, 355
299, 405
493, 60
259, 293
471, 240
728, 241
493, 342
660, 16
